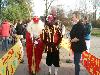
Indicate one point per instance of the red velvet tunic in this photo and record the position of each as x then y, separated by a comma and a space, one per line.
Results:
38, 50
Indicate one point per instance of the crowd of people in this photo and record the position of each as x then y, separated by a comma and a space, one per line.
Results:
48, 40
9, 31
51, 37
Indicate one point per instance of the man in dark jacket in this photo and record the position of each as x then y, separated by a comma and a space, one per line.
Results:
20, 29
77, 44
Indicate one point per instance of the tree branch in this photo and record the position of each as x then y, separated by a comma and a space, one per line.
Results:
50, 4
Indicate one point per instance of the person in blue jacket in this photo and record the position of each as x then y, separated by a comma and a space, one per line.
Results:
87, 36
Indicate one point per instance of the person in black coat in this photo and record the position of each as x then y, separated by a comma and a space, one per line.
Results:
78, 44
19, 28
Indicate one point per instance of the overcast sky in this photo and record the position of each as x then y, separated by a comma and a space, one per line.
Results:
39, 5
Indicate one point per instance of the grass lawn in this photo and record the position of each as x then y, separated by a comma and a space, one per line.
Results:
96, 32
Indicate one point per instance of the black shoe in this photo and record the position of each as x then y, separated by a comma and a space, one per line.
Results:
49, 73
22, 61
69, 61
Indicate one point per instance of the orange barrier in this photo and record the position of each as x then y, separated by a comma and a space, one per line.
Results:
91, 63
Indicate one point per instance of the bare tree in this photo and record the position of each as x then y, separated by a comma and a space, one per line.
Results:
95, 4
48, 4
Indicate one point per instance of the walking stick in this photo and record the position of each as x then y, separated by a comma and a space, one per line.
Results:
33, 62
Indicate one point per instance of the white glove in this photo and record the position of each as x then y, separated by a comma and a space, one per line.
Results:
35, 42
74, 40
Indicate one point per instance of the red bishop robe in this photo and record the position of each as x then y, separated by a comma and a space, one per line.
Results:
33, 51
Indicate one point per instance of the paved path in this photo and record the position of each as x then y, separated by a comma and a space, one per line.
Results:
65, 69
95, 46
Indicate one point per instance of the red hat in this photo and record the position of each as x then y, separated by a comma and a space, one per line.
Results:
50, 18
35, 19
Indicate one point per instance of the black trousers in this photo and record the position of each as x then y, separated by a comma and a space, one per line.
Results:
77, 57
53, 56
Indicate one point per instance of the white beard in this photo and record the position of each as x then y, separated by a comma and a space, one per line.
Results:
35, 29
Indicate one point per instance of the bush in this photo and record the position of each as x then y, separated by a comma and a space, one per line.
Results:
96, 24
96, 32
